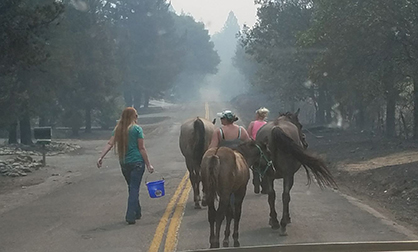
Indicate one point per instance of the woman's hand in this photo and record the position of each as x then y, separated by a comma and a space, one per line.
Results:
99, 162
150, 168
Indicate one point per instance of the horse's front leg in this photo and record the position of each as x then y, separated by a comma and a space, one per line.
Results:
212, 220
229, 216
287, 186
256, 182
273, 222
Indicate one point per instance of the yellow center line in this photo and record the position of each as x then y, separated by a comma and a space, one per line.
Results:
159, 232
172, 234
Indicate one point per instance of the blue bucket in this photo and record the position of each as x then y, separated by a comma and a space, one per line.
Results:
156, 188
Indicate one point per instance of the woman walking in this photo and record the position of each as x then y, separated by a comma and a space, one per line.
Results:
260, 117
129, 140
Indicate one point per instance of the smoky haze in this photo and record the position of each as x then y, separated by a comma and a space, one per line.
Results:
228, 82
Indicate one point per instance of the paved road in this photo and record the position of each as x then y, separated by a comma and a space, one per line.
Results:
82, 208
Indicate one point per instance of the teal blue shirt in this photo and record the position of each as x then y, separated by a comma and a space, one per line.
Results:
132, 154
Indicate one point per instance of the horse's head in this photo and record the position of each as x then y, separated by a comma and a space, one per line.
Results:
258, 156
293, 118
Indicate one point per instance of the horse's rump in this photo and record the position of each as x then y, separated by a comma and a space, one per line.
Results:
223, 170
195, 136
198, 139
281, 141
210, 173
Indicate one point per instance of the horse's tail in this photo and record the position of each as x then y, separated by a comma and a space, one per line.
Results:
316, 165
212, 179
199, 138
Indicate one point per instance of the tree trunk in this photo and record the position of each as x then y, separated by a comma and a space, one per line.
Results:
320, 113
328, 105
390, 117
146, 100
405, 126
88, 120
360, 118
43, 121
13, 133
127, 95
25, 130
137, 100
74, 130
415, 93
391, 98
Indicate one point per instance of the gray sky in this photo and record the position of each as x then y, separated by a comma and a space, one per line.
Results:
213, 13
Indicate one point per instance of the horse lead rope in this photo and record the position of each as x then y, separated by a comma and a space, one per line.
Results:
262, 156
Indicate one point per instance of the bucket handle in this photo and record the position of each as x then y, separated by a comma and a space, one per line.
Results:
146, 178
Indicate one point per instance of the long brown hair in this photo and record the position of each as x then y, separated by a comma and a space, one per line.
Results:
126, 121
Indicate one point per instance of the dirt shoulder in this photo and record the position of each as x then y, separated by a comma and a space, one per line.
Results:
381, 172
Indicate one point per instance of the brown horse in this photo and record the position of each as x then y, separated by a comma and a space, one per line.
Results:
195, 137
225, 175
288, 154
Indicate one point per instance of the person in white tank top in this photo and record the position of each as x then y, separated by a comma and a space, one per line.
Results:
229, 134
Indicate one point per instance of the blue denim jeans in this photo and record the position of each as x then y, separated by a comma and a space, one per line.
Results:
133, 173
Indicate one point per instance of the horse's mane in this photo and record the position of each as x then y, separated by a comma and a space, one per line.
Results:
288, 115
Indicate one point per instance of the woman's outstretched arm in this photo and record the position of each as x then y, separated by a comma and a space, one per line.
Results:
105, 150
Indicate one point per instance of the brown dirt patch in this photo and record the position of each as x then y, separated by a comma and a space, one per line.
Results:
383, 172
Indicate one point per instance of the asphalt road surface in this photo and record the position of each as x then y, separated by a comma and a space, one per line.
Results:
81, 208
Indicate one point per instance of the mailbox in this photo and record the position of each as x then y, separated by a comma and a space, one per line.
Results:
42, 135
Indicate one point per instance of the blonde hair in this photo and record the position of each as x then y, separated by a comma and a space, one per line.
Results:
126, 121
262, 112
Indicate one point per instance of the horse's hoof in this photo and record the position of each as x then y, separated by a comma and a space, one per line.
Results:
236, 244
197, 206
214, 245
274, 224
282, 232
256, 189
225, 244
204, 203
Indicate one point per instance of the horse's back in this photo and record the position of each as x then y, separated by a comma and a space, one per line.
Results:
265, 132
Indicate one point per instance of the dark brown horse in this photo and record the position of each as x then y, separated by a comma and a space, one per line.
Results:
285, 142
195, 137
225, 175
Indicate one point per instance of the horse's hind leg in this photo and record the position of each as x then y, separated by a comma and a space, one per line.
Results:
273, 222
287, 186
194, 179
239, 198
229, 216
220, 215
212, 220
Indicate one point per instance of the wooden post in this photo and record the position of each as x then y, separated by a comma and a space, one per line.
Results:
43, 155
